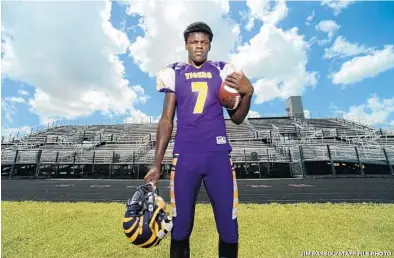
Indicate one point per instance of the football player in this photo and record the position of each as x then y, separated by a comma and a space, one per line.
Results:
202, 150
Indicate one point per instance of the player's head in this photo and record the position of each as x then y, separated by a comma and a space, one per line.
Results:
198, 37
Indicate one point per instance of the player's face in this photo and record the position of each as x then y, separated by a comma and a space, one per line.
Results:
198, 47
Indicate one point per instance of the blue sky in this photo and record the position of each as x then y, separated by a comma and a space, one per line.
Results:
54, 66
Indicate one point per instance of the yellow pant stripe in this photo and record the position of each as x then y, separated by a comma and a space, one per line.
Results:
174, 161
235, 194
235, 197
172, 185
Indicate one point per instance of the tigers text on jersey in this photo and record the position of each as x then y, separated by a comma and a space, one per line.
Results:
200, 125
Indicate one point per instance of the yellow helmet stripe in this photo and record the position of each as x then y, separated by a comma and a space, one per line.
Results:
152, 238
161, 206
132, 226
157, 240
134, 236
141, 225
127, 219
137, 232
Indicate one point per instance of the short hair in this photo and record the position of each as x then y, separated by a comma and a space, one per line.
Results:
198, 27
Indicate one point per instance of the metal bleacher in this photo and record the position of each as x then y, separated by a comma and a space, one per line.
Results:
274, 143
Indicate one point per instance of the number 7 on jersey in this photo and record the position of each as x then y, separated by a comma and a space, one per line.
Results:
202, 89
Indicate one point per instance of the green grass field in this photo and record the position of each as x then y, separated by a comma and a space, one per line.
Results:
31, 229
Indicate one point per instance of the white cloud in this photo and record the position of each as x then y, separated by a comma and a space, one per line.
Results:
245, 17
307, 113
250, 25
310, 18
375, 111
15, 99
337, 6
164, 23
273, 55
343, 48
71, 60
278, 60
253, 114
269, 12
9, 110
328, 26
360, 68
137, 116
334, 110
8, 106
15, 132
23, 93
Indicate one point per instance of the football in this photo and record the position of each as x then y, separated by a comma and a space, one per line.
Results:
229, 97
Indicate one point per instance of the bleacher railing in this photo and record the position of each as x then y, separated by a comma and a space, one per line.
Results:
18, 134
343, 153
277, 147
121, 157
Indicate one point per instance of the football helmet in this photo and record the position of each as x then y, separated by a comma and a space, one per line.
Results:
146, 221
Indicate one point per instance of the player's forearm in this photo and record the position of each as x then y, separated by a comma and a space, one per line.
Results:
242, 111
163, 137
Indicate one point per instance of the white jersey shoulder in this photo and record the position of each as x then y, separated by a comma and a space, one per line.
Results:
165, 80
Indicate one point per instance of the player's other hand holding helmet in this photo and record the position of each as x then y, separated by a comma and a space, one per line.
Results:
153, 175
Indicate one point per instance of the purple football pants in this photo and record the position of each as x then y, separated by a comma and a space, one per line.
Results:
216, 170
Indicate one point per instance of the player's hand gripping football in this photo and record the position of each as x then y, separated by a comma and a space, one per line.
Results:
240, 82
153, 175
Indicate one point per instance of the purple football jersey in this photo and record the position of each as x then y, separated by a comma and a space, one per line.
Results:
200, 121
